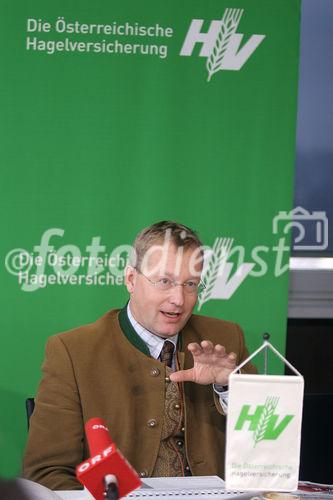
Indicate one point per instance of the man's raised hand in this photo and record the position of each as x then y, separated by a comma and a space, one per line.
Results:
212, 365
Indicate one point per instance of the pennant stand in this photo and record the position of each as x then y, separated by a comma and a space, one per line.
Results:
264, 427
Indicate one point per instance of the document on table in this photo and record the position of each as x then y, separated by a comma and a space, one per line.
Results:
187, 488
182, 488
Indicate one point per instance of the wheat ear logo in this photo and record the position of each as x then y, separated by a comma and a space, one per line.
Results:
217, 260
263, 422
229, 26
265, 417
220, 277
221, 44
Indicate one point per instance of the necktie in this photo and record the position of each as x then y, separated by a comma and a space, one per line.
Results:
167, 353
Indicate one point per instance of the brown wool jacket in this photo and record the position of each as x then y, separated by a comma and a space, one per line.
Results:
104, 370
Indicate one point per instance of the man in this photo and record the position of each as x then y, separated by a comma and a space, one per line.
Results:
154, 371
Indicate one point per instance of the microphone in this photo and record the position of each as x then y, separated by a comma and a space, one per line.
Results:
106, 474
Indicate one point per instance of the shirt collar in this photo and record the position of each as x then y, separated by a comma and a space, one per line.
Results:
153, 342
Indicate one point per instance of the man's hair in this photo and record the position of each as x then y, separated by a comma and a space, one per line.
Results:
178, 234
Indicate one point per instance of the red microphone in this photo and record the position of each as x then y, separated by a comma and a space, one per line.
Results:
106, 467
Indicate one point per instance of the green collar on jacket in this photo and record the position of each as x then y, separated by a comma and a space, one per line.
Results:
133, 337
130, 333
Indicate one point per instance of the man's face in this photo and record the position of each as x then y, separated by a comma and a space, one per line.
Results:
164, 312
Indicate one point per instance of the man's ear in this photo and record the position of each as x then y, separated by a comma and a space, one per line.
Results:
130, 277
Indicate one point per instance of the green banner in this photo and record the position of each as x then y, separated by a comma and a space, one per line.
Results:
116, 115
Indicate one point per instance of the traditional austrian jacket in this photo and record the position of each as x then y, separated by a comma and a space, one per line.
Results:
104, 370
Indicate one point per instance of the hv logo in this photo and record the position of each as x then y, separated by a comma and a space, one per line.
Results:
263, 422
221, 43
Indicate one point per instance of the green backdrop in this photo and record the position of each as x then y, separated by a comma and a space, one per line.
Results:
101, 144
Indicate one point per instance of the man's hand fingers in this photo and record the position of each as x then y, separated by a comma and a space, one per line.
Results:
208, 353
231, 359
220, 350
182, 376
194, 348
207, 346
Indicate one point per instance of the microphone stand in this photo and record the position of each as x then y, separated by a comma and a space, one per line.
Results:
266, 337
111, 491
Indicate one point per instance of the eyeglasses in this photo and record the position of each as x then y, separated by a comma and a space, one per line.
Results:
165, 284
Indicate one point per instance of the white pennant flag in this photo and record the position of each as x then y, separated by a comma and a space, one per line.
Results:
264, 430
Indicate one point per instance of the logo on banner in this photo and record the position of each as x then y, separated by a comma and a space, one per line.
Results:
263, 421
217, 275
221, 43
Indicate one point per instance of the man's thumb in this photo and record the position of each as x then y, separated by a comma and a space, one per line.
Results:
182, 376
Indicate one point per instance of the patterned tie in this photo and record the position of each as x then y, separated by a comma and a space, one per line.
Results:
167, 353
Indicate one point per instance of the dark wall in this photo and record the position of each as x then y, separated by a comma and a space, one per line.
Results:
310, 350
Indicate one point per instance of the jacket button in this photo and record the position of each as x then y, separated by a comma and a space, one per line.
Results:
167, 379
143, 473
177, 406
180, 443
183, 429
152, 422
154, 372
